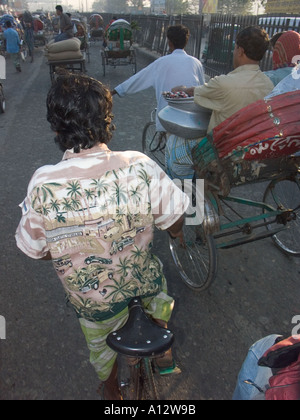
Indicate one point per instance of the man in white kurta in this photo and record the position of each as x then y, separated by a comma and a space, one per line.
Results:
166, 72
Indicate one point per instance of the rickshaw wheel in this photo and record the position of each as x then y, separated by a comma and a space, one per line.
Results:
197, 263
2, 100
153, 145
284, 194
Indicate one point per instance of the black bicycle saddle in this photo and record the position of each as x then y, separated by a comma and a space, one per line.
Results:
140, 336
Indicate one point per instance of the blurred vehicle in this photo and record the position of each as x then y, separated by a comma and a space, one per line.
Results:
96, 27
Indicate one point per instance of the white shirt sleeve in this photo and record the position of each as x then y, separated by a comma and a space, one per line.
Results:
142, 80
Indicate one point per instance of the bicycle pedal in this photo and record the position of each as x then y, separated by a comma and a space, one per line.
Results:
124, 383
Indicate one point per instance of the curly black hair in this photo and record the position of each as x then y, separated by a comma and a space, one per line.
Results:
79, 109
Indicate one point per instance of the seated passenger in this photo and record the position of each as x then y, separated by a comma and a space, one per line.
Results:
224, 95
286, 54
288, 84
81, 35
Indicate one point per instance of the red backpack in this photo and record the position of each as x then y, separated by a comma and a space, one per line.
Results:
284, 359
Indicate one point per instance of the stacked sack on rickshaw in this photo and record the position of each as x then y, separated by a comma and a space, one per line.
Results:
257, 142
64, 50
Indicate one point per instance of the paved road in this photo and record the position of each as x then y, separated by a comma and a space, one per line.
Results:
44, 356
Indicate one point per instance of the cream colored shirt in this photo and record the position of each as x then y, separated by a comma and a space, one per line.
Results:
226, 94
95, 212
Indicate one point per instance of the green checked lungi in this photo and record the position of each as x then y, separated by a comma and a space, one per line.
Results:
101, 356
178, 157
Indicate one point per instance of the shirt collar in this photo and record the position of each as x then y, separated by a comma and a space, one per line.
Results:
99, 148
179, 51
253, 67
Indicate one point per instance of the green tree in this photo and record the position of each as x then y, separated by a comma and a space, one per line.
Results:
136, 4
177, 7
237, 7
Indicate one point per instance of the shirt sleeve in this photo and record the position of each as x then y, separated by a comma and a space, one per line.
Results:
201, 75
30, 234
168, 201
142, 80
210, 95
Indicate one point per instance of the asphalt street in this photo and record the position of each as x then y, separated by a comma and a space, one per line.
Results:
44, 355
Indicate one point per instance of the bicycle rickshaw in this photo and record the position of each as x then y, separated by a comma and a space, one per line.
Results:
96, 24
40, 38
259, 143
140, 340
82, 35
119, 50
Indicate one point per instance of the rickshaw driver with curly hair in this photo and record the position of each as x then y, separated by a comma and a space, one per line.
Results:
124, 191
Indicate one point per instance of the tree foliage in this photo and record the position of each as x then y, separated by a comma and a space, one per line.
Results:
176, 7
237, 7
110, 6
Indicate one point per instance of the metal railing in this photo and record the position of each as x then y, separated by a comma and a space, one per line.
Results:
212, 37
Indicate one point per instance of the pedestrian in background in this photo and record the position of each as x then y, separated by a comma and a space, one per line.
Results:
13, 44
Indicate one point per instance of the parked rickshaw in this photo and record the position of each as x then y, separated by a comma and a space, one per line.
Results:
118, 49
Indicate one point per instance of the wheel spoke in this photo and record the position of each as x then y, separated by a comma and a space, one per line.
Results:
197, 263
284, 195
153, 145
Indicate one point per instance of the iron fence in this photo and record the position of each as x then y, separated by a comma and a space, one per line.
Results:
212, 36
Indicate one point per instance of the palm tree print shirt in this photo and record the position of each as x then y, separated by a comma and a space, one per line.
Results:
95, 212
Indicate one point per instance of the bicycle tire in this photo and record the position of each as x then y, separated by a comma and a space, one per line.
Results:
149, 389
130, 380
284, 194
151, 144
2, 100
197, 263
